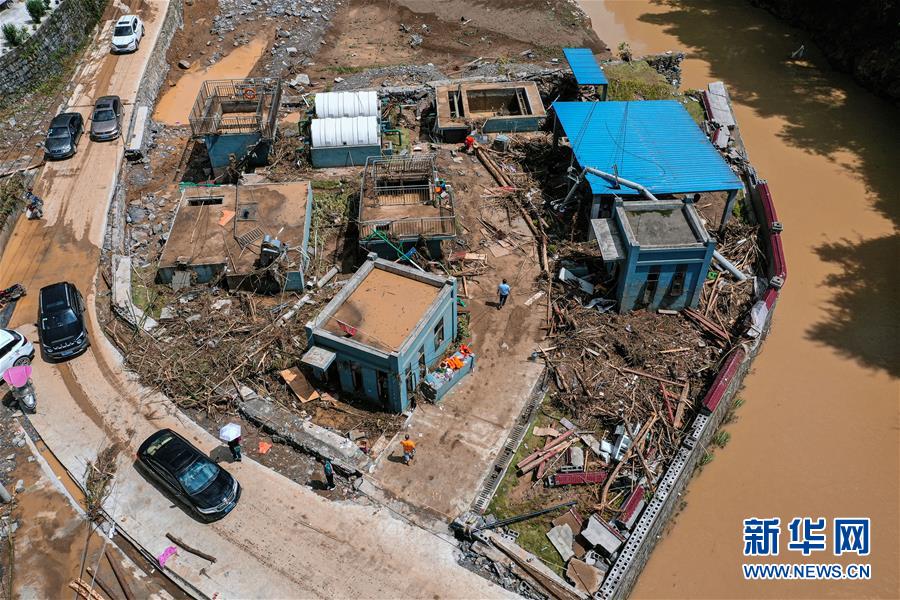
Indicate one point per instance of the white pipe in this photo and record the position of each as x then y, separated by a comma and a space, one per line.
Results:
609, 177
728, 266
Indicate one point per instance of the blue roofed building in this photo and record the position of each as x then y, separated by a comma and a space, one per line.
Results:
586, 69
654, 143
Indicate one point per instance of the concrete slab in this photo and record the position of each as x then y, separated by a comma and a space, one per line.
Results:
562, 539
305, 435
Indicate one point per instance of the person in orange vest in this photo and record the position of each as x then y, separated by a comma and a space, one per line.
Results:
409, 449
470, 144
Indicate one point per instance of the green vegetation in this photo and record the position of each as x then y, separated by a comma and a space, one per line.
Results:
706, 459
36, 10
145, 294
624, 51
12, 190
512, 498
342, 70
14, 36
331, 203
636, 80
721, 439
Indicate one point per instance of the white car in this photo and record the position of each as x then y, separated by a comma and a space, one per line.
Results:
127, 34
15, 350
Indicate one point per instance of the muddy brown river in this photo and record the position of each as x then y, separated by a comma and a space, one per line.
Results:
818, 433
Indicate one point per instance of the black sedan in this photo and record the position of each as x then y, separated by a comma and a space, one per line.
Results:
61, 321
189, 475
62, 139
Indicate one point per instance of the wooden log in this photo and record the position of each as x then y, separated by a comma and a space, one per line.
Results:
191, 549
546, 448
120, 577
103, 585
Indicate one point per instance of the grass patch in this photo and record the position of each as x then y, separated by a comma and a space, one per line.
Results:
331, 203
505, 503
721, 439
343, 70
636, 80
12, 191
145, 294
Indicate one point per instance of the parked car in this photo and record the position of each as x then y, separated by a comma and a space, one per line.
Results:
15, 350
62, 139
106, 120
127, 34
61, 321
189, 475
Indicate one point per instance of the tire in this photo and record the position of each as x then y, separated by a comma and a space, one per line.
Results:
21, 361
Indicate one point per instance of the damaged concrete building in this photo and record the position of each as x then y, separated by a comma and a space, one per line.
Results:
251, 236
236, 119
402, 203
658, 251
501, 107
383, 334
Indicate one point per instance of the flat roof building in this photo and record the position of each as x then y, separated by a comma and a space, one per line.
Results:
254, 236
658, 250
383, 333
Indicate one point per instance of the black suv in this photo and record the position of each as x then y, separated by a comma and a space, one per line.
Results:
106, 122
62, 139
61, 321
189, 475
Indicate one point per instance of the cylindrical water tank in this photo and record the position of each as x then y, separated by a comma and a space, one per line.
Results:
347, 104
349, 131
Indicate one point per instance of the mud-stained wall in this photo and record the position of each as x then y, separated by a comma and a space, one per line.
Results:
43, 54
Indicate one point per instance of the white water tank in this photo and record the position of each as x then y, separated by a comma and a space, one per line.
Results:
348, 131
347, 104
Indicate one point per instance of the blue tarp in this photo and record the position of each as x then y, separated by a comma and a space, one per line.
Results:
584, 66
652, 142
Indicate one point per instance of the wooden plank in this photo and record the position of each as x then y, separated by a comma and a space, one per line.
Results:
296, 380
120, 576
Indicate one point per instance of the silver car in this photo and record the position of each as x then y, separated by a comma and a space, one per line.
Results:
106, 121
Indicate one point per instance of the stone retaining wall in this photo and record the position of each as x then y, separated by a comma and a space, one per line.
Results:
42, 56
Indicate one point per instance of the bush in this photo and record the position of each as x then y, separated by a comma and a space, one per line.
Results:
36, 9
15, 36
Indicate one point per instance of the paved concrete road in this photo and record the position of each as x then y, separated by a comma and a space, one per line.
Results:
282, 540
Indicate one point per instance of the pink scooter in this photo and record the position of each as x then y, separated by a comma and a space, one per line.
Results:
19, 381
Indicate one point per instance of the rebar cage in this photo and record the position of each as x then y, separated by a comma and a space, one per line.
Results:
238, 106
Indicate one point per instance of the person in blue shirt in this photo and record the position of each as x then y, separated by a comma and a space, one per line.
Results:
329, 474
503, 292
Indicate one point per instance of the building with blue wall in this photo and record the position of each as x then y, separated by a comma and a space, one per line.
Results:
383, 332
655, 143
237, 120
659, 252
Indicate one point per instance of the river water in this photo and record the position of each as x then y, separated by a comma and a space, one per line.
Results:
819, 433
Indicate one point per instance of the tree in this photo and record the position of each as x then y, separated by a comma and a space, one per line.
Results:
15, 36
36, 9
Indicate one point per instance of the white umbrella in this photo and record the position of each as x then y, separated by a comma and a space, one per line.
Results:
230, 432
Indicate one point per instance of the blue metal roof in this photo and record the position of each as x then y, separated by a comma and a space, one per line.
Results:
585, 67
652, 142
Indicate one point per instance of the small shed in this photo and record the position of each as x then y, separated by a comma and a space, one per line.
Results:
500, 107
658, 250
655, 143
334, 105
344, 141
384, 332
586, 69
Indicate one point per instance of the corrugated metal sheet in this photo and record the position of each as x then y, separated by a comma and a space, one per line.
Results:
653, 142
584, 66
